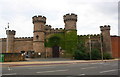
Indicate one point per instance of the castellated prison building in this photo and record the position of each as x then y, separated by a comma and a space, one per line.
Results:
36, 45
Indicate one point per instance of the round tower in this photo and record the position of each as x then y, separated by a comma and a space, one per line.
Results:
70, 32
39, 34
10, 41
70, 21
106, 39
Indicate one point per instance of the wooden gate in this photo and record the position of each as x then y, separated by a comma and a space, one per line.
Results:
55, 51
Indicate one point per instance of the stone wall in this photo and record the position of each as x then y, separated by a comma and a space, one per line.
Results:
94, 40
3, 45
25, 44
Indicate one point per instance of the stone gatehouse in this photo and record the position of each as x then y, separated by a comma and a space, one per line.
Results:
36, 45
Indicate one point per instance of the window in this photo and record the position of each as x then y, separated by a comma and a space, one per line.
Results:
37, 36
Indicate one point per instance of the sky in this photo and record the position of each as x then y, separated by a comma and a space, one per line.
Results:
91, 15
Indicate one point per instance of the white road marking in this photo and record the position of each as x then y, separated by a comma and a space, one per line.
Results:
88, 67
81, 74
109, 71
9, 68
52, 71
10, 74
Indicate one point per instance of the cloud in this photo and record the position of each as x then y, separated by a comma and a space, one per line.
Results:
91, 14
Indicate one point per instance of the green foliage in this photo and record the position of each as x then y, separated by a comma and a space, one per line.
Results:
81, 46
95, 54
80, 55
107, 56
67, 41
71, 35
71, 40
55, 40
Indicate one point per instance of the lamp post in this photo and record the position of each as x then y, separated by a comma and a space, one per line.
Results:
7, 38
90, 47
101, 46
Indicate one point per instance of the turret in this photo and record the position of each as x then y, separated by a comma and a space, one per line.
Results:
70, 31
105, 28
10, 41
106, 39
39, 34
70, 21
47, 27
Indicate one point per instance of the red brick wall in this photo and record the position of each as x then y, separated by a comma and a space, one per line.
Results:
115, 40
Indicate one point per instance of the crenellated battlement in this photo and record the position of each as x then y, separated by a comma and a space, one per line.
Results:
72, 17
24, 37
3, 38
10, 32
105, 27
57, 29
47, 27
54, 30
91, 35
39, 18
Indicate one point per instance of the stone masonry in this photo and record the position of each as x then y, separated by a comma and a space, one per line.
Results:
41, 31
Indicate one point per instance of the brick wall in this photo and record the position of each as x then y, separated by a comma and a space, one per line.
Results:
115, 40
10, 57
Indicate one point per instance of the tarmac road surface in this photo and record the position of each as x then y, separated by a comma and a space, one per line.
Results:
71, 69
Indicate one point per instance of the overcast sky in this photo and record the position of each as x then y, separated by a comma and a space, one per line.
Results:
91, 15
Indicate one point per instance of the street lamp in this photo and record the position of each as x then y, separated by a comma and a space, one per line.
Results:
90, 47
39, 53
101, 46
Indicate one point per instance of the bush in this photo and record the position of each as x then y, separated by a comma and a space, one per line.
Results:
79, 55
107, 56
95, 54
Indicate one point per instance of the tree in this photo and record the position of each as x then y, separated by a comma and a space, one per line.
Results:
80, 53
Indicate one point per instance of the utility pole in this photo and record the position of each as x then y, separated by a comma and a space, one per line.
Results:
101, 46
90, 47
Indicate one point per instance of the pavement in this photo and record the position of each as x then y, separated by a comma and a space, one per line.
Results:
44, 61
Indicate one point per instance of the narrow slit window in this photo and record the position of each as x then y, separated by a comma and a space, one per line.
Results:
37, 36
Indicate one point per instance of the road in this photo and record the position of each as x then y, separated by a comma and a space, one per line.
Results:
77, 69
